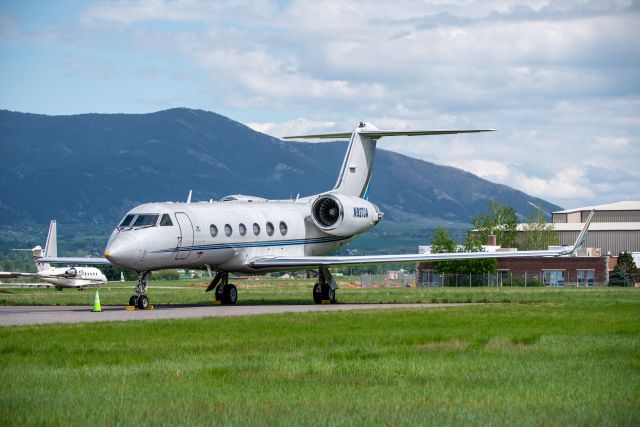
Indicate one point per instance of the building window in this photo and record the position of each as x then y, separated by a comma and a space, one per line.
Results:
553, 278
270, 229
283, 228
213, 230
256, 229
242, 229
586, 277
227, 230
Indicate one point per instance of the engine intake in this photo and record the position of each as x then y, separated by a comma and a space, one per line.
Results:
327, 211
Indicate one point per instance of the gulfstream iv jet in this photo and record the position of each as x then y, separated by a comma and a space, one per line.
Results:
247, 234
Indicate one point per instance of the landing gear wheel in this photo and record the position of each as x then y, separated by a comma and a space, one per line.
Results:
220, 293
133, 301
330, 294
143, 302
230, 294
317, 293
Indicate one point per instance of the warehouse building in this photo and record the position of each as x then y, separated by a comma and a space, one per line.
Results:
615, 228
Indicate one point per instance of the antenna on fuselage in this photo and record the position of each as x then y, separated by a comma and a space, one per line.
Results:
189, 196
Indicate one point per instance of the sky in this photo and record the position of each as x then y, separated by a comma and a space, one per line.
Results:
559, 80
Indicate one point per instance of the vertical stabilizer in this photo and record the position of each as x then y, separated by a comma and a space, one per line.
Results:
357, 166
51, 246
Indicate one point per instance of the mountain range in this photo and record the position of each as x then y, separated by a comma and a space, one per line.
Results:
92, 168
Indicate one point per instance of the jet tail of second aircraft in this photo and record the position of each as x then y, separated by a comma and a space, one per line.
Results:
50, 248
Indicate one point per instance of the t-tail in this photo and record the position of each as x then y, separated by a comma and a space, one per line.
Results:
357, 166
50, 248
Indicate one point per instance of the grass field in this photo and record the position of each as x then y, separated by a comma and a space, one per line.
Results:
276, 291
548, 357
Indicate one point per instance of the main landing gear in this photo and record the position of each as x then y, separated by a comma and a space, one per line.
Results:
226, 292
325, 287
140, 300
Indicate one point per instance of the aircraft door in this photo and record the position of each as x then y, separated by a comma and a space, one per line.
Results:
186, 235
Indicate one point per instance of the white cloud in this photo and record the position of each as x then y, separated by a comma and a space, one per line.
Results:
559, 79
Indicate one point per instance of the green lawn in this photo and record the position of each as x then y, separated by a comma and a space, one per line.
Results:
299, 292
552, 357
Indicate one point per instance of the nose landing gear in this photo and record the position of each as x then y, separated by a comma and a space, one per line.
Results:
139, 300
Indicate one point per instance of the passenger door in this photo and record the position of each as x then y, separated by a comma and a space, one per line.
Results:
185, 240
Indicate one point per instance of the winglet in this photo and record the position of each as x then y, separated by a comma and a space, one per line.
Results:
582, 237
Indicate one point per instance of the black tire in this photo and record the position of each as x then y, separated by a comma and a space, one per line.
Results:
317, 293
219, 293
331, 295
133, 301
143, 302
230, 294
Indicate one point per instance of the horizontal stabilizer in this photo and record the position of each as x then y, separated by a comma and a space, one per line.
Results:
322, 136
380, 133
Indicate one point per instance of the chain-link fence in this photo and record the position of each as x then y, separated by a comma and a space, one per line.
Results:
390, 280
551, 278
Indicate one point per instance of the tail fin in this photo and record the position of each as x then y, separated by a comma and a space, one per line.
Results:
357, 166
51, 245
50, 248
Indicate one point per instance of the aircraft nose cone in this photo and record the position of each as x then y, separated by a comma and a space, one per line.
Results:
122, 251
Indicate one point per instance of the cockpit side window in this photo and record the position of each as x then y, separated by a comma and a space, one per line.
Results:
126, 222
166, 221
146, 220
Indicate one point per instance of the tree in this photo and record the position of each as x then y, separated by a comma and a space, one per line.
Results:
443, 243
112, 273
537, 234
501, 221
625, 272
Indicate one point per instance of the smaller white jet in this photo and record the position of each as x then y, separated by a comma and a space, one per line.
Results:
61, 277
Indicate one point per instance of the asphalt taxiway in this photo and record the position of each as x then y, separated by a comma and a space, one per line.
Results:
32, 315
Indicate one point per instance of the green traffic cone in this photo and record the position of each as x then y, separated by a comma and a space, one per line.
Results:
96, 303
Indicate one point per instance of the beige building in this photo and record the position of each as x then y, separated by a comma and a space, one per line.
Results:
615, 227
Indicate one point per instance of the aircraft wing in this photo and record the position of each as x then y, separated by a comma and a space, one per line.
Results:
14, 274
315, 261
74, 260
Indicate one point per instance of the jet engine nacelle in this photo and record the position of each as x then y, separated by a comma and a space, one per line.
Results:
72, 272
341, 215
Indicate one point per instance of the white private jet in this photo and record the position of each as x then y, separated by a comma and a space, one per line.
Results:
68, 277
247, 234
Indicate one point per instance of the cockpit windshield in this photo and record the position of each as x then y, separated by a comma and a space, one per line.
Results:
146, 220
126, 222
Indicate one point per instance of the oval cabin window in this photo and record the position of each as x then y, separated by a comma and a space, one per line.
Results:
227, 230
213, 230
270, 229
283, 228
242, 229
